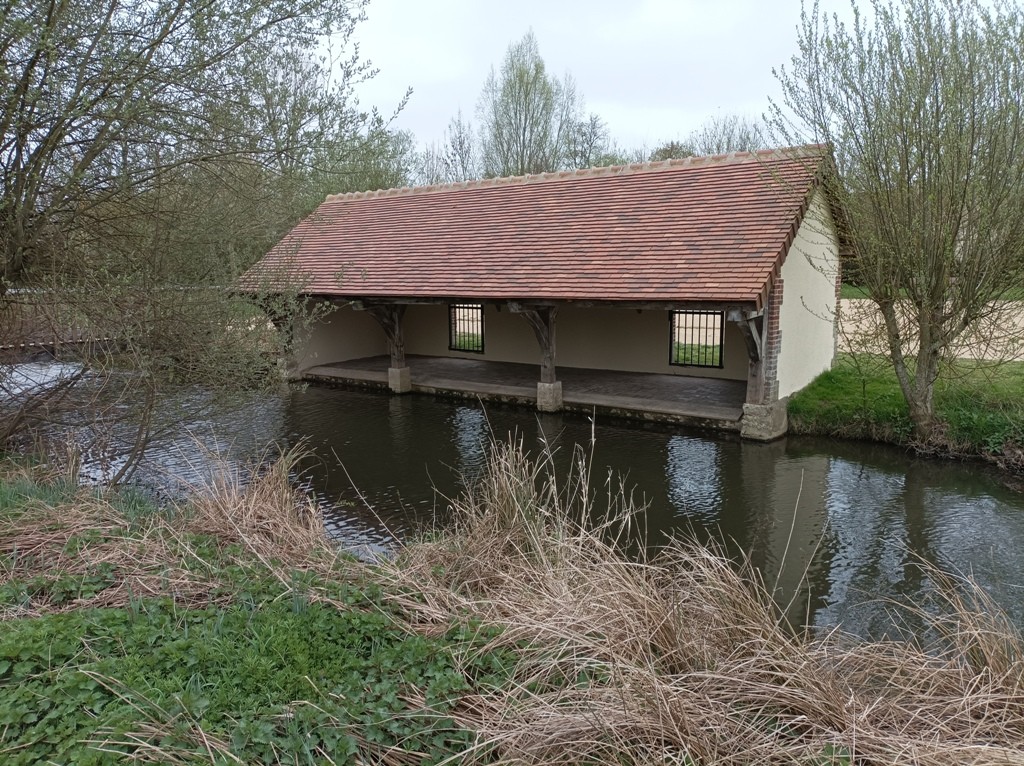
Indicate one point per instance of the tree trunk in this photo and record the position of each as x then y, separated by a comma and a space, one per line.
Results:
918, 389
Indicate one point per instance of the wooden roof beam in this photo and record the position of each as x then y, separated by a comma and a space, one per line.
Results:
751, 324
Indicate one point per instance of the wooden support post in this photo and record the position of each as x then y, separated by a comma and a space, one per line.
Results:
755, 383
389, 318
751, 326
542, 320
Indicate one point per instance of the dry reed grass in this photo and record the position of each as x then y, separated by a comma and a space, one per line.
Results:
681, 660
686, 659
154, 554
265, 514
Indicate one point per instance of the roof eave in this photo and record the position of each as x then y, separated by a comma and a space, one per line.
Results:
748, 302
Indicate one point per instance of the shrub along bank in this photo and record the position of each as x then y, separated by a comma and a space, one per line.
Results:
231, 631
980, 408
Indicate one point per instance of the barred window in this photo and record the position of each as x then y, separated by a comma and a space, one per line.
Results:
696, 338
466, 327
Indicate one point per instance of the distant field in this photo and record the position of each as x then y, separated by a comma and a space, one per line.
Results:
696, 355
856, 291
996, 338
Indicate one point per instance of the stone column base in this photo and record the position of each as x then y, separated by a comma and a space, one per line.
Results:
764, 422
549, 396
399, 380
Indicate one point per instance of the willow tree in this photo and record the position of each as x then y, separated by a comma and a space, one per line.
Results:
102, 99
921, 102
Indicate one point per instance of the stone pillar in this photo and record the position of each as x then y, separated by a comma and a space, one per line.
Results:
765, 422
549, 396
399, 380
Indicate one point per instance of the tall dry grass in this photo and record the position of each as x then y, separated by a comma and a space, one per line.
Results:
686, 659
264, 514
156, 553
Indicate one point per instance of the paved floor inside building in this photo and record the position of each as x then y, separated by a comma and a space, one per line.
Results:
674, 396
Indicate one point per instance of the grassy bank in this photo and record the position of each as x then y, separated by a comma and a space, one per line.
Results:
981, 408
230, 631
224, 631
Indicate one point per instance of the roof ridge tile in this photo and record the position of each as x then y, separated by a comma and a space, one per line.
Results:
786, 152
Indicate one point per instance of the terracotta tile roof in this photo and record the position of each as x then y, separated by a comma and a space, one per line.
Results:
694, 230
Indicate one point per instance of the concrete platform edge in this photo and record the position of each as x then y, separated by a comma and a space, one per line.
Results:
528, 399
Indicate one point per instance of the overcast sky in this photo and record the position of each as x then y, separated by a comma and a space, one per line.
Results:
653, 69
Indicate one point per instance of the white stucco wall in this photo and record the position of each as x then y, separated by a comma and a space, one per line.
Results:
623, 339
507, 337
342, 334
597, 338
808, 312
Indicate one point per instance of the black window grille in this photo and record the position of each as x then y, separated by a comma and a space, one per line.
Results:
696, 338
466, 327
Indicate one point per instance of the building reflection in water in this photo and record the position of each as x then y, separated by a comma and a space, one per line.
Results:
834, 528
470, 435
694, 477
883, 523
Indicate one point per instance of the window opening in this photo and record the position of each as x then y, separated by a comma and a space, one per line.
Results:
696, 338
466, 327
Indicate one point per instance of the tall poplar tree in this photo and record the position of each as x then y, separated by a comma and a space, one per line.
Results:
527, 117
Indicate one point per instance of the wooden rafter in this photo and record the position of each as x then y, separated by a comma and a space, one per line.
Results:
751, 324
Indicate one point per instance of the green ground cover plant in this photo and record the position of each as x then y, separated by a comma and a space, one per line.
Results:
980, 406
213, 632
853, 291
270, 677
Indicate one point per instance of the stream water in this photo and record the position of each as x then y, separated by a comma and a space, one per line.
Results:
836, 528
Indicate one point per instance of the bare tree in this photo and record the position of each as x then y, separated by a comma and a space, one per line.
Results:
717, 135
588, 143
923, 106
526, 116
461, 160
148, 153
429, 169
727, 133
454, 159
